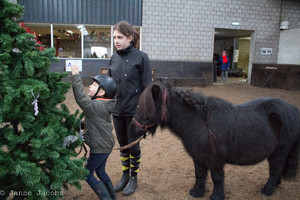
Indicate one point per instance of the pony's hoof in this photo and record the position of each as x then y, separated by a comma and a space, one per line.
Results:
194, 192
278, 182
217, 197
266, 191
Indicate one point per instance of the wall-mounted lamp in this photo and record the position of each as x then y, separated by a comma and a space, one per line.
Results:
235, 23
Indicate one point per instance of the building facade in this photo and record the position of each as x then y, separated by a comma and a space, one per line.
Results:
181, 37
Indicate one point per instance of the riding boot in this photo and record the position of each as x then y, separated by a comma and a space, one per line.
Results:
134, 166
123, 182
111, 190
101, 191
124, 156
130, 187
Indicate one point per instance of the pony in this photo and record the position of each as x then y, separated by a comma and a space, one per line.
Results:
215, 132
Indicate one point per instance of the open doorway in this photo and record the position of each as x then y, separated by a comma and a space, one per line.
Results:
237, 45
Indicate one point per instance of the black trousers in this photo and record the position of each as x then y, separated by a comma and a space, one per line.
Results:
130, 157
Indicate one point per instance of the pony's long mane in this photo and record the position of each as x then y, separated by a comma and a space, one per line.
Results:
147, 105
197, 101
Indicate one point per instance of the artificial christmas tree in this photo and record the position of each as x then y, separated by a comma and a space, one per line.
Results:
33, 122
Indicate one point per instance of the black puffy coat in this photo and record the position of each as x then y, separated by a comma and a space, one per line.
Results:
131, 70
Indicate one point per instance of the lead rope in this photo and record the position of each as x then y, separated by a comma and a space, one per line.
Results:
163, 117
131, 144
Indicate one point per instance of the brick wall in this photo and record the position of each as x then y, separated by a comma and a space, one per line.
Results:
184, 29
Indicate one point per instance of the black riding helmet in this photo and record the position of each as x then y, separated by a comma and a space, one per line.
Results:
107, 83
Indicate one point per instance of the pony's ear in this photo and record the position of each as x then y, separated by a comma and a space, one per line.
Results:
156, 91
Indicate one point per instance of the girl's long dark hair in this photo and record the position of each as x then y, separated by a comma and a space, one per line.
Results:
127, 29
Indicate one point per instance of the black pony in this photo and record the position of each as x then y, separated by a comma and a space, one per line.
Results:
215, 132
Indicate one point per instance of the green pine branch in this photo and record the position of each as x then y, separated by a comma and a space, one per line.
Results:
32, 158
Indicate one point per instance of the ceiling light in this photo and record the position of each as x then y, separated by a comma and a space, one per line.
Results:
235, 23
69, 31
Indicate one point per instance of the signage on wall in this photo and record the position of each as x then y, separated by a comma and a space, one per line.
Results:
236, 55
69, 63
266, 51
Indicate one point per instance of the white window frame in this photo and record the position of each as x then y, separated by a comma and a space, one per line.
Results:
82, 38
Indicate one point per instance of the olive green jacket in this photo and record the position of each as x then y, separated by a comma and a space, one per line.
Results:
98, 126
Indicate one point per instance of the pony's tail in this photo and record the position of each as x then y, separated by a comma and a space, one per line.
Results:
291, 164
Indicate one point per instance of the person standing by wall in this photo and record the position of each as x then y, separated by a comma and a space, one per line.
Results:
131, 70
225, 65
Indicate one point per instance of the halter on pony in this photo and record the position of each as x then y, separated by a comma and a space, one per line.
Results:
163, 114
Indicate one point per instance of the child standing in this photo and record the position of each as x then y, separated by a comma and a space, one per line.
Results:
98, 128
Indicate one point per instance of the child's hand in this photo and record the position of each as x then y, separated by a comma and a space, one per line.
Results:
74, 69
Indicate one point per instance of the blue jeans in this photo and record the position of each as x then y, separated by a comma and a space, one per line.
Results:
96, 163
224, 76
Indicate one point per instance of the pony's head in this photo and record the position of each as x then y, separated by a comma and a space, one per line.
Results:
152, 109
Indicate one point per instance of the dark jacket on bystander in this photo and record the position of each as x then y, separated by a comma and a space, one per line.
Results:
131, 70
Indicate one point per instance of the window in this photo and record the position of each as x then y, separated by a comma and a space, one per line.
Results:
67, 41
97, 42
42, 32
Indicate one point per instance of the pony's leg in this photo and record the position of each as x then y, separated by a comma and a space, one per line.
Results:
201, 174
276, 162
217, 175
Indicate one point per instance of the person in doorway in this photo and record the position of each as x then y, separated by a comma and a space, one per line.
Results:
131, 70
225, 64
98, 128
